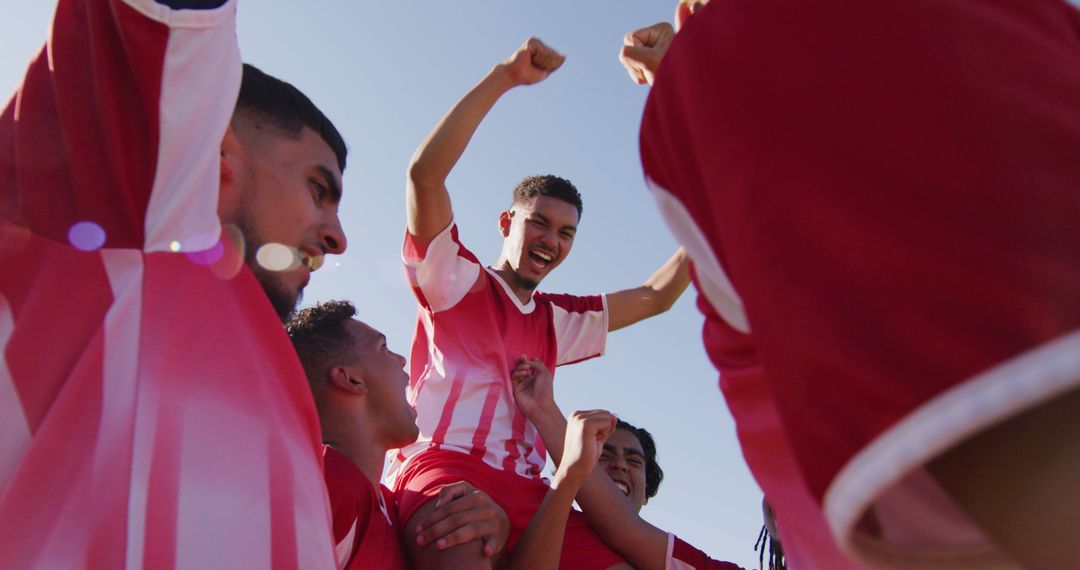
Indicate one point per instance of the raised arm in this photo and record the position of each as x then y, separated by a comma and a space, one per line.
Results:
610, 513
657, 295
541, 544
427, 201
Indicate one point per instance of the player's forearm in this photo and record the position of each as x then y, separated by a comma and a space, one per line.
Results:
656, 295
541, 544
445, 144
551, 424
669, 281
612, 516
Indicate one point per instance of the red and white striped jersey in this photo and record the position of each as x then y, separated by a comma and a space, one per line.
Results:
470, 331
152, 411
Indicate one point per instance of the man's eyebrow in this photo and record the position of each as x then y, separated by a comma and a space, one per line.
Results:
626, 450
332, 183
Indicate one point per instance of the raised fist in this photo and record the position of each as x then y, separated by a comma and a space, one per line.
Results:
533, 62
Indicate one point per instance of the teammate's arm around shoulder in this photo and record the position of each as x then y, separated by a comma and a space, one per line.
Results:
427, 201
655, 296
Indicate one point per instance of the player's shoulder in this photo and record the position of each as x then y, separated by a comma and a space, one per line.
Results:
685, 556
571, 303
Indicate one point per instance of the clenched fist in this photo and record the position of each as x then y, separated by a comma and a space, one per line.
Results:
533, 62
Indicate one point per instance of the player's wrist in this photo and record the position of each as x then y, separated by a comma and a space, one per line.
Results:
569, 478
503, 77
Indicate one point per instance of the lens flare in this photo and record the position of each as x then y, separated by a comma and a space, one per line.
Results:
207, 256
277, 257
86, 236
174, 246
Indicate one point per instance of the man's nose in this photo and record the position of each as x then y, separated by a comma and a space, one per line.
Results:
332, 236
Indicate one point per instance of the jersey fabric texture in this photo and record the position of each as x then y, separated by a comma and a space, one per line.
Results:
428, 472
365, 517
682, 556
880, 200
470, 331
152, 411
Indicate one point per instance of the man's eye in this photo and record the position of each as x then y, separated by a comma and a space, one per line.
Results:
319, 189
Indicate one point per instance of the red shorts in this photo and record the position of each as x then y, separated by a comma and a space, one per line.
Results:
429, 471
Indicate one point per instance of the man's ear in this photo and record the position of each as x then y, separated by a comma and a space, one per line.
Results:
504, 222
341, 378
228, 190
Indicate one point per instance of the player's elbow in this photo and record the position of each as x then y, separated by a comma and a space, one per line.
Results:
421, 174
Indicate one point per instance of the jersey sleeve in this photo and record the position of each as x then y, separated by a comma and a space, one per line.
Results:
119, 125
682, 556
441, 272
581, 325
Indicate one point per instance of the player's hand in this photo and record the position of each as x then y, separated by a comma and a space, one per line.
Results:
532, 63
644, 49
462, 514
534, 387
586, 432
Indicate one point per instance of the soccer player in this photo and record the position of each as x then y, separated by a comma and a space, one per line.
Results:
612, 497
474, 321
359, 388
880, 201
152, 411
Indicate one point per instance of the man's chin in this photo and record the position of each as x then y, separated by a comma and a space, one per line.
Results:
281, 296
527, 282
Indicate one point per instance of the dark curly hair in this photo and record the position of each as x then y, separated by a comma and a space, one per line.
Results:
653, 473
547, 185
319, 336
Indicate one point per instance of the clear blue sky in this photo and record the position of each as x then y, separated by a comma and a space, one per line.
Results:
385, 72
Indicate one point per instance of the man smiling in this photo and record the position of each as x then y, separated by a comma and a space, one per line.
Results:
628, 470
152, 411
475, 321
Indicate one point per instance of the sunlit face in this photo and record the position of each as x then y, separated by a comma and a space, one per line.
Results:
289, 193
538, 236
624, 462
384, 376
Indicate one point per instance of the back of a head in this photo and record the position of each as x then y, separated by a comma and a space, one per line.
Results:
548, 185
276, 103
320, 337
653, 473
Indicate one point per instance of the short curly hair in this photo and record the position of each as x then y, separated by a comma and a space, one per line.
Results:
548, 185
653, 473
320, 338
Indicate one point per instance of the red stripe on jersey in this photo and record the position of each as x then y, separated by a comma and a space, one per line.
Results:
448, 410
38, 302
487, 415
517, 426
102, 120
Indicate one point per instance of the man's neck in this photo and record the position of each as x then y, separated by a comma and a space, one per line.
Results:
523, 293
363, 451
